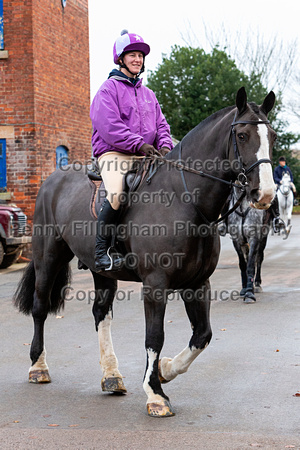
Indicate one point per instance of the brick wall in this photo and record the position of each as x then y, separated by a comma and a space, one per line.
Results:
45, 91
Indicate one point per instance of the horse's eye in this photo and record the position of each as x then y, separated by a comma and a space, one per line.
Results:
241, 137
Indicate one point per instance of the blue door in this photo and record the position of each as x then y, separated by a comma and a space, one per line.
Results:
2, 164
61, 156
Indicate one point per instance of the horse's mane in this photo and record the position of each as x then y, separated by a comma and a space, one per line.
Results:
214, 117
254, 107
210, 120
221, 113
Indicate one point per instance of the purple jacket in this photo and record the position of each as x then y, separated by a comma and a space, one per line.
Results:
126, 116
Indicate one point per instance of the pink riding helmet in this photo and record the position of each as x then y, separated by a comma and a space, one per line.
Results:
129, 42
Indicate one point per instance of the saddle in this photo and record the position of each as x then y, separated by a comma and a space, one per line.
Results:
142, 170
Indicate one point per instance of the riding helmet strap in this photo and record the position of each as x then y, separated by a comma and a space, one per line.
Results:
124, 66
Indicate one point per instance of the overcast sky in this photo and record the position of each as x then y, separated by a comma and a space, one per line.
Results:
164, 23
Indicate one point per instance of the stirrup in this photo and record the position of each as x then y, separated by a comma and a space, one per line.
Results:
116, 261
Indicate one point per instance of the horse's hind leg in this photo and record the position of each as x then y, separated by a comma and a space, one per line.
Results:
52, 277
259, 261
249, 294
197, 309
105, 289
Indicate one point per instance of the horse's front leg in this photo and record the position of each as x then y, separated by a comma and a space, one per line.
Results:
197, 309
158, 404
249, 294
259, 261
105, 289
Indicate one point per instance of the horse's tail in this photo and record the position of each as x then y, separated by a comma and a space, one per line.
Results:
23, 297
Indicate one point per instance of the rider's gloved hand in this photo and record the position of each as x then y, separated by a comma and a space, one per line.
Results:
147, 149
164, 151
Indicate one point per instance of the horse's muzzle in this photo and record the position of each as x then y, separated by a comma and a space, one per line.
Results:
259, 205
263, 198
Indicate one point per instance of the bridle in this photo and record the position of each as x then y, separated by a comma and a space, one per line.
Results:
286, 191
242, 180
245, 172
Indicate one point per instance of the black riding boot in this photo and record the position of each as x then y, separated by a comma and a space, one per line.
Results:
107, 220
277, 222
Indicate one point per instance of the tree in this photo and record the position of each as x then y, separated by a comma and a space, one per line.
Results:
283, 147
191, 85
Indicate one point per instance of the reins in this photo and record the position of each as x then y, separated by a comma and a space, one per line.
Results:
242, 181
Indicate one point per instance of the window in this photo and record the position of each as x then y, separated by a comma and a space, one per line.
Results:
2, 165
61, 156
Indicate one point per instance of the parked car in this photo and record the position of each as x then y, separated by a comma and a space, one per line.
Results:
14, 234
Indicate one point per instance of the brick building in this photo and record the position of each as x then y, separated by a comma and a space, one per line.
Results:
45, 92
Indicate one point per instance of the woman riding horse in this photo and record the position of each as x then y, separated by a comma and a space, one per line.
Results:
127, 124
239, 133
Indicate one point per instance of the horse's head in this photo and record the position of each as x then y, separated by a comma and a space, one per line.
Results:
286, 178
253, 140
285, 183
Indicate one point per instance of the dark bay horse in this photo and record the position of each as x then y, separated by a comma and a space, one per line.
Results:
249, 229
235, 142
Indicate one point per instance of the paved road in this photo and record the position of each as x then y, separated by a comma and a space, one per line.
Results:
238, 394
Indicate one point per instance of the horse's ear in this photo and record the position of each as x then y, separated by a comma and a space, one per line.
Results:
268, 103
241, 100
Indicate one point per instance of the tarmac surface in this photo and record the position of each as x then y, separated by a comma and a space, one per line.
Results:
242, 392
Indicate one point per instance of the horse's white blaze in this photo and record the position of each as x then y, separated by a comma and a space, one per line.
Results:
170, 368
152, 397
41, 363
267, 185
108, 359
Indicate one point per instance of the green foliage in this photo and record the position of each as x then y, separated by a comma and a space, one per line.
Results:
191, 85
285, 142
283, 147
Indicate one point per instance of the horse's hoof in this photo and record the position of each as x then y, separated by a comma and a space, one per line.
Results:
161, 378
287, 232
39, 376
113, 384
258, 288
160, 410
249, 298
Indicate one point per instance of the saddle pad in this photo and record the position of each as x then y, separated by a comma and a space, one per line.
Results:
97, 197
